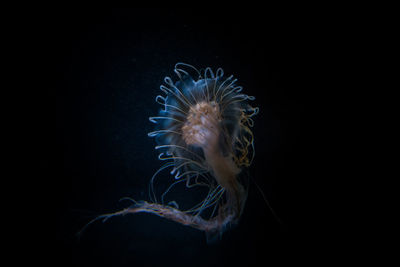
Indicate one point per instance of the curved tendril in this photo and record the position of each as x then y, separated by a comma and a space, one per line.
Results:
208, 70
154, 119
160, 157
222, 84
187, 65
182, 99
169, 82
181, 147
211, 199
151, 184
155, 133
236, 89
169, 188
227, 87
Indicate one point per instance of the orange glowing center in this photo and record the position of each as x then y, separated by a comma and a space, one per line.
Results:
202, 124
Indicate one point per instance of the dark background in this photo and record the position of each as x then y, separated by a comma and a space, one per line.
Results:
102, 70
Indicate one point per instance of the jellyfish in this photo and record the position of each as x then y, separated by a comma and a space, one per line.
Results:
203, 133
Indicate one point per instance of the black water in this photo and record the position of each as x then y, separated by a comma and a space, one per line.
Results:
103, 69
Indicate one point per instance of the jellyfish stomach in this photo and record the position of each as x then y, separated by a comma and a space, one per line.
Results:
203, 128
225, 172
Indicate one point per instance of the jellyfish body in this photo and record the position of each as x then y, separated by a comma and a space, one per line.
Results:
203, 134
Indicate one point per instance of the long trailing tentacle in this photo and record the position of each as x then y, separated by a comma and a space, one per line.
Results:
170, 213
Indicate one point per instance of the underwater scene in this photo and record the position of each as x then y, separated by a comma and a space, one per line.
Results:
174, 137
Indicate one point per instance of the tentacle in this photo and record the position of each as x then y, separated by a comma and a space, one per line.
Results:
171, 213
